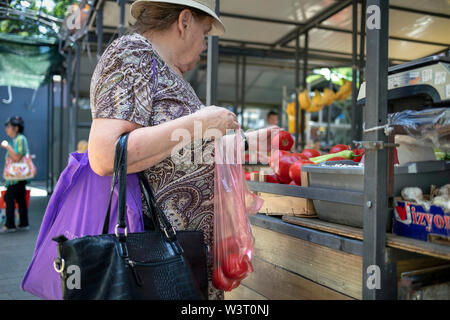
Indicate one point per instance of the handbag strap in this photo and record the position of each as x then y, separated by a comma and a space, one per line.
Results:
157, 215
117, 159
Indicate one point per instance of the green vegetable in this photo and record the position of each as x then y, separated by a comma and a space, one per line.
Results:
347, 154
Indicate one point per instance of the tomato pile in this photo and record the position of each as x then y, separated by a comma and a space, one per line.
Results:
288, 165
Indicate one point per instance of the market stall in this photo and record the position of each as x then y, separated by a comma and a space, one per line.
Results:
348, 222
328, 235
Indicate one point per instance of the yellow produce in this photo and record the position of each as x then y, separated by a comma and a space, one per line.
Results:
291, 123
317, 99
290, 110
315, 108
345, 91
328, 97
304, 100
316, 102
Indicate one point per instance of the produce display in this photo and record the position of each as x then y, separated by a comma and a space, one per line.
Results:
286, 165
438, 197
422, 216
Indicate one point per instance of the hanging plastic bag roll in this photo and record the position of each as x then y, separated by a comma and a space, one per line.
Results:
233, 202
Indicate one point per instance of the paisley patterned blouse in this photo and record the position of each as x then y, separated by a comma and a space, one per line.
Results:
131, 82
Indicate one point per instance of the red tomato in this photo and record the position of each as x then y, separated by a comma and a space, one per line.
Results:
221, 282
272, 178
282, 141
339, 147
300, 156
311, 153
281, 161
292, 183
359, 154
247, 175
295, 170
235, 266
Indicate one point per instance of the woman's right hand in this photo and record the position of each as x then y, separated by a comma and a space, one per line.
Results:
218, 118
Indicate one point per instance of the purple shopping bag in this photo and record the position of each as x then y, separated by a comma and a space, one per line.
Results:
77, 208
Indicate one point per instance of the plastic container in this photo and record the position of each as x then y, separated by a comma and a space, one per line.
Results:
351, 178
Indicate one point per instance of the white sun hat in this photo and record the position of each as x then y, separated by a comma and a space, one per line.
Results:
208, 6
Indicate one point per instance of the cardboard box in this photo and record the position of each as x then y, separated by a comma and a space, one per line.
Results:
413, 221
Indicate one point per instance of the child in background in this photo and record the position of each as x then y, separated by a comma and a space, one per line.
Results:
15, 190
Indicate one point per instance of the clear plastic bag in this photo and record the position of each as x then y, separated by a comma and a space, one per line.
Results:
233, 201
428, 125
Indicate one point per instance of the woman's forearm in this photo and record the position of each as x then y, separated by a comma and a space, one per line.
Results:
147, 146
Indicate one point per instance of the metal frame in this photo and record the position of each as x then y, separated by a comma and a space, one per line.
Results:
212, 81
376, 165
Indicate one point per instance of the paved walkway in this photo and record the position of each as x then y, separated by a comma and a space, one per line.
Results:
16, 251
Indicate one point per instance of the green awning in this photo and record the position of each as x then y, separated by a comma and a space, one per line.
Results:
27, 62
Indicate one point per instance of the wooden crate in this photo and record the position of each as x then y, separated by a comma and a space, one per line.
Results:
280, 205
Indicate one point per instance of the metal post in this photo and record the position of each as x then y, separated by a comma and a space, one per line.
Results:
362, 56
61, 125
77, 94
329, 112
243, 83
235, 108
362, 44
52, 134
305, 86
71, 141
99, 30
47, 180
213, 67
122, 17
356, 123
297, 86
284, 121
378, 277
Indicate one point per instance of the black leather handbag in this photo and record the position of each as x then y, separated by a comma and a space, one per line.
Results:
158, 264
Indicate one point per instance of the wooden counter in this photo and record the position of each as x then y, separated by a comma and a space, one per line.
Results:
302, 262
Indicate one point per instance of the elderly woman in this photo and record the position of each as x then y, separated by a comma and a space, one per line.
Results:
138, 87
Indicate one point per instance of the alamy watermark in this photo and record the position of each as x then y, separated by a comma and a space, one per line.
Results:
374, 277
73, 280
373, 17
210, 146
